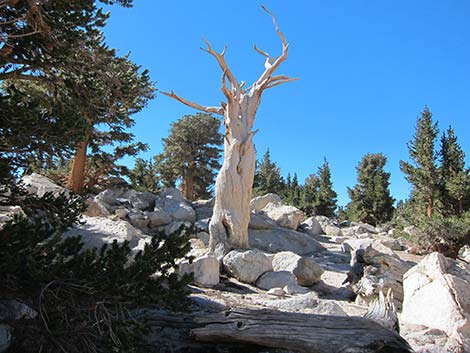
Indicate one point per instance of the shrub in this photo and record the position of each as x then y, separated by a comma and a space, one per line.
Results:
84, 298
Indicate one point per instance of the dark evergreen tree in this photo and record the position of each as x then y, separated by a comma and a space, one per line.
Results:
84, 297
370, 198
309, 193
455, 178
39, 36
423, 173
268, 177
191, 155
325, 204
144, 176
55, 53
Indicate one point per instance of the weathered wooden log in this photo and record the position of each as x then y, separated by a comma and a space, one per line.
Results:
306, 333
382, 310
170, 333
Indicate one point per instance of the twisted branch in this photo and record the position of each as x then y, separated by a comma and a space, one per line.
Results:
215, 110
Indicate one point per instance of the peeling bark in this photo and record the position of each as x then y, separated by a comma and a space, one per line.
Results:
229, 224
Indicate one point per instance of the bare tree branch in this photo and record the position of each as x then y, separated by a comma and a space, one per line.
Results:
215, 110
274, 83
222, 63
225, 90
266, 55
271, 64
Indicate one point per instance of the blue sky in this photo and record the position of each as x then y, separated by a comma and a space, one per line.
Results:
367, 69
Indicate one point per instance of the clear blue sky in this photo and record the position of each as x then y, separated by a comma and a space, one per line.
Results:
367, 69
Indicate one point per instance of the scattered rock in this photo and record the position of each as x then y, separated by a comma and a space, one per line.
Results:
428, 340
391, 243
354, 245
94, 209
305, 269
204, 237
307, 303
172, 202
107, 199
437, 295
39, 185
373, 271
324, 221
158, 218
247, 266
140, 200
284, 215
97, 231
311, 226
121, 212
278, 292
280, 279
175, 226
203, 208
339, 240
260, 202
282, 239
205, 269
259, 221
333, 231
360, 228
138, 219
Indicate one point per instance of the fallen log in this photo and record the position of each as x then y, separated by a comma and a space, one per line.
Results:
305, 333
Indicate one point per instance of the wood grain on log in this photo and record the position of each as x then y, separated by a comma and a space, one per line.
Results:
307, 333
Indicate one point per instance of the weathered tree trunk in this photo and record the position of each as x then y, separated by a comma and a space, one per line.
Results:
77, 174
307, 333
430, 208
187, 187
248, 330
229, 224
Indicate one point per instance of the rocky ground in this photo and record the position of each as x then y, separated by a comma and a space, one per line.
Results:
296, 264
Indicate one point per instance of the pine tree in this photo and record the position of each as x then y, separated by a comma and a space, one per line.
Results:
455, 178
423, 175
268, 177
370, 198
325, 203
55, 52
143, 176
106, 95
309, 193
191, 155
38, 36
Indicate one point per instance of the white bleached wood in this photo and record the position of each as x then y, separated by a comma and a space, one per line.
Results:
229, 224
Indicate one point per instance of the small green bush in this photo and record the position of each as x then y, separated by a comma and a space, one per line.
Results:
84, 298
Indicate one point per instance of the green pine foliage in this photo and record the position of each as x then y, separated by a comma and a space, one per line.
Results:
191, 155
455, 178
292, 192
309, 194
439, 202
268, 177
144, 176
325, 203
85, 298
59, 78
371, 201
423, 173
